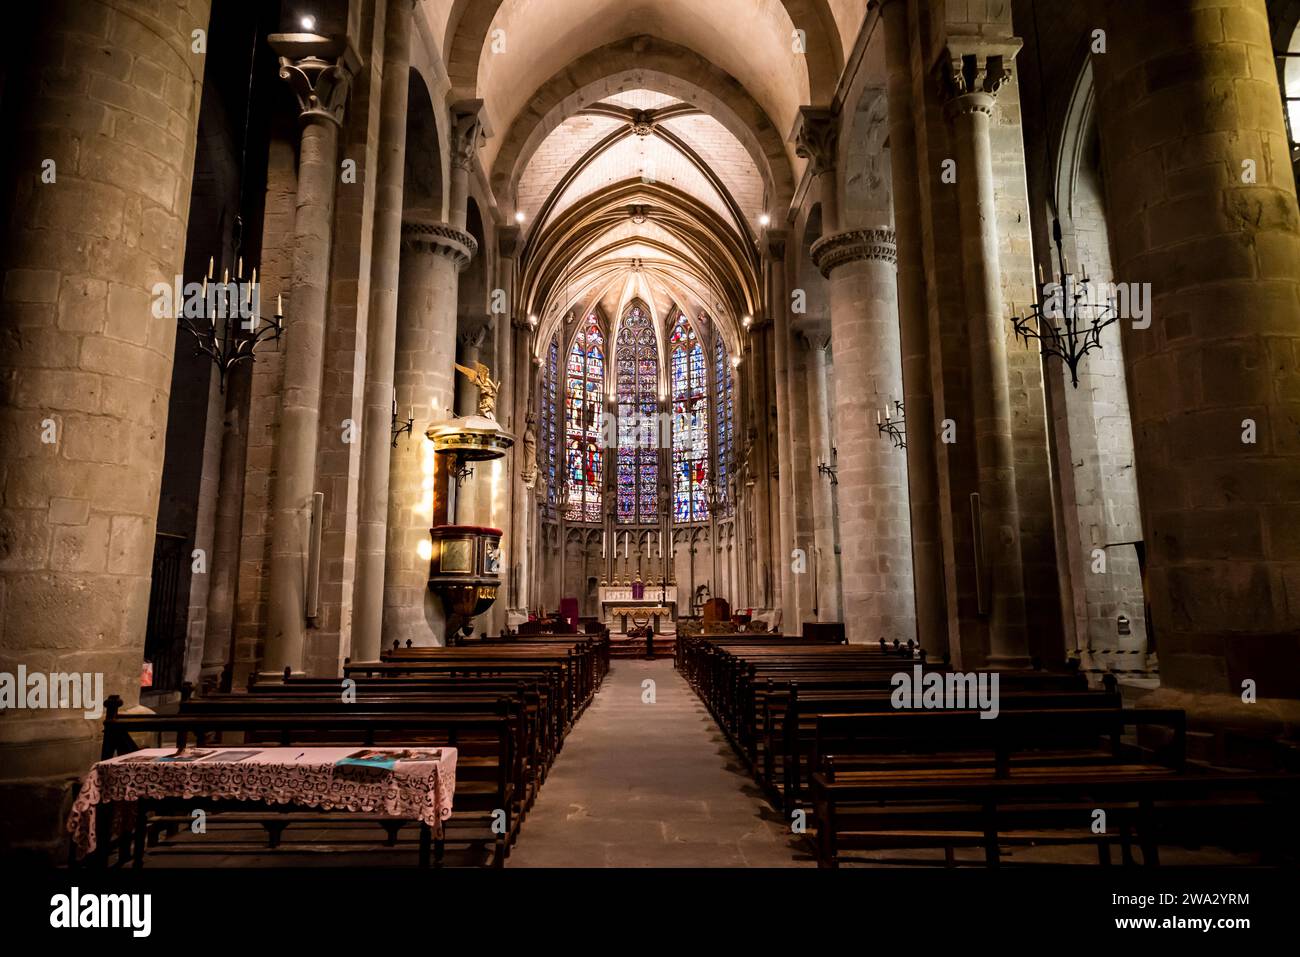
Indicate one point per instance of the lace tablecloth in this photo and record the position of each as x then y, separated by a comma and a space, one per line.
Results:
410, 790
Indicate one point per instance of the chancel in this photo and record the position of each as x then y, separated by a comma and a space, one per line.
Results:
580, 433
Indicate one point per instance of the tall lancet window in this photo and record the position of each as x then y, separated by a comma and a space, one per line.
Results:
637, 385
584, 413
724, 418
690, 423
549, 427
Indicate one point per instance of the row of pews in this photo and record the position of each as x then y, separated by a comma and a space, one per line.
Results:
505, 704
821, 730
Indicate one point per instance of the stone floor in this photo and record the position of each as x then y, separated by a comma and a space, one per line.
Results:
644, 783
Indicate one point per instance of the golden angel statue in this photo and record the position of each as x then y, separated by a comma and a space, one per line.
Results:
487, 389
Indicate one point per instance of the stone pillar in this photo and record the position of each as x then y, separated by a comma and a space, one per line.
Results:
218, 633
760, 402
823, 506
432, 254
469, 346
1215, 380
974, 79
527, 484
875, 536
918, 394
108, 92
781, 345
320, 83
802, 470
381, 337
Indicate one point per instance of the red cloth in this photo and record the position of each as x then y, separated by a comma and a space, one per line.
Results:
569, 611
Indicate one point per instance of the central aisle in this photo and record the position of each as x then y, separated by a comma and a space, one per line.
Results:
651, 785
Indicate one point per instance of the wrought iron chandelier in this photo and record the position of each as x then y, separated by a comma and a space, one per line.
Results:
228, 325
893, 424
1066, 320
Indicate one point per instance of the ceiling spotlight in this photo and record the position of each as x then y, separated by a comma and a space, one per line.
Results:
309, 24
747, 321
519, 216
532, 320
735, 362
765, 220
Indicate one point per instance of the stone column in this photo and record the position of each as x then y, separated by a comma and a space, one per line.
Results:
802, 470
105, 97
218, 633
781, 345
826, 568
433, 254
1215, 379
918, 394
974, 79
381, 338
469, 345
760, 403
526, 484
320, 81
875, 536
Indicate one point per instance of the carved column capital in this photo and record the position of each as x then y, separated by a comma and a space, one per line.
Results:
473, 338
319, 70
974, 69
775, 244
814, 336
439, 239
831, 252
468, 133
816, 138
509, 241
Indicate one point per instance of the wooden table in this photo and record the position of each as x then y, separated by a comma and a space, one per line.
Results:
416, 784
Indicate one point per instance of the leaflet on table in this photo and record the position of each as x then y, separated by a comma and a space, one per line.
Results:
189, 756
373, 758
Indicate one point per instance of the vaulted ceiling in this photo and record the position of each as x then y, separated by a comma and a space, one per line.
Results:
643, 143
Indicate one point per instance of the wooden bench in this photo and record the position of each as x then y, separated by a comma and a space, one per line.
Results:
951, 778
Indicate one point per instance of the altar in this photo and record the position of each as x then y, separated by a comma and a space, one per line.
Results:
619, 603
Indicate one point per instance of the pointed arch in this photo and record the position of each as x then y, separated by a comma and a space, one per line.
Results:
584, 404
636, 379
690, 387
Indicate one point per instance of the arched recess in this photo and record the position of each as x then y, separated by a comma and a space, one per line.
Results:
472, 288
653, 64
1091, 426
422, 186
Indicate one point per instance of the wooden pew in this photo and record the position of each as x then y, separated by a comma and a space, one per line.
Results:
952, 778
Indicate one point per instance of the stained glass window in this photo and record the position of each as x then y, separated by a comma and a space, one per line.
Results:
724, 418
584, 413
690, 423
637, 388
549, 438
